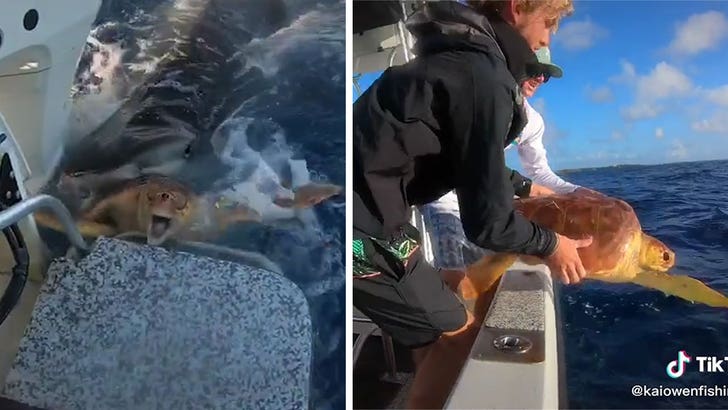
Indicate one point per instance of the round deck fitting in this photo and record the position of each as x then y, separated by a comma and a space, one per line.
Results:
512, 344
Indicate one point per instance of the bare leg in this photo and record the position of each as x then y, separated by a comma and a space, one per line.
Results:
440, 367
437, 372
452, 278
419, 355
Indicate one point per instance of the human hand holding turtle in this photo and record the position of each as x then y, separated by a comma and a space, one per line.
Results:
539, 190
565, 263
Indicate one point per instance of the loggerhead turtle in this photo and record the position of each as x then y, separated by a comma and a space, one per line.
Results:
110, 204
619, 253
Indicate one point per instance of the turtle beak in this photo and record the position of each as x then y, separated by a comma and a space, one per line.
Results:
158, 229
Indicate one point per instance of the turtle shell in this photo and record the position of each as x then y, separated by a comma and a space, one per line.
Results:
612, 223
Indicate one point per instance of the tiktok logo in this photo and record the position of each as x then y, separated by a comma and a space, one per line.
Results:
676, 368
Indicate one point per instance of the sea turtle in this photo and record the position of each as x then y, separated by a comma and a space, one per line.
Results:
619, 253
162, 207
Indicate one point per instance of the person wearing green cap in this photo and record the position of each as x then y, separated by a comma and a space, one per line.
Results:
531, 150
452, 250
543, 55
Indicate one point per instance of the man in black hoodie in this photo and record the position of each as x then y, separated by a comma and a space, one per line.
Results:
438, 123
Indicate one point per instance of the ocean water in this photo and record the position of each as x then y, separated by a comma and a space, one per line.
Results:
617, 336
247, 97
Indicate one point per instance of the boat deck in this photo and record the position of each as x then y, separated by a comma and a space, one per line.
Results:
518, 345
135, 326
375, 387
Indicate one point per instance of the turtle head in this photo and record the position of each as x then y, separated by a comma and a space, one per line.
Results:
655, 255
168, 209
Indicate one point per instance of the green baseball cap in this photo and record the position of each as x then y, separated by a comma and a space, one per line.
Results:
543, 55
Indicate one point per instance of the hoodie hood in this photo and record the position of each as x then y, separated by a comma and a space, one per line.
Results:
449, 25
519, 56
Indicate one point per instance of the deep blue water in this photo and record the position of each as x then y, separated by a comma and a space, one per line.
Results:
617, 336
265, 78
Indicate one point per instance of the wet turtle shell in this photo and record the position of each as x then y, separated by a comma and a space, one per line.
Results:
620, 251
616, 232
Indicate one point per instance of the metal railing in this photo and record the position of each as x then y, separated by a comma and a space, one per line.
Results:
403, 36
15, 213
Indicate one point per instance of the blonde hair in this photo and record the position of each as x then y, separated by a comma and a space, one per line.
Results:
554, 10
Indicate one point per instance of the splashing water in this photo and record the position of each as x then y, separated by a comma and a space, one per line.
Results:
214, 93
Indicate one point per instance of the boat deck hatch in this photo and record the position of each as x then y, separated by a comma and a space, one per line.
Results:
136, 326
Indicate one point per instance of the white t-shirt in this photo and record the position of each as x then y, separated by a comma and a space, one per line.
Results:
533, 158
533, 154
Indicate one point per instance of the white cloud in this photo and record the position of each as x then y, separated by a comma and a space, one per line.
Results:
600, 94
663, 82
716, 124
677, 150
608, 155
580, 35
718, 95
700, 32
617, 135
659, 133
627, 74
641, 111
711, 117
628, 69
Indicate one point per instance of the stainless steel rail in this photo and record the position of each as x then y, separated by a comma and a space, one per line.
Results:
28, 206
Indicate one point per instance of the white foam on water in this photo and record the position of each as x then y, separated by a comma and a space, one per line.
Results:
99, 95
256, 176
183, 6
299, 172
319, 27
258, 187
102, 88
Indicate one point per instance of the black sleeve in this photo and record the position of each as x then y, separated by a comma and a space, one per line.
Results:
485, 191
521, 184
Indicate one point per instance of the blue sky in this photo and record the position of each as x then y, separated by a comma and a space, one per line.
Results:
645, 82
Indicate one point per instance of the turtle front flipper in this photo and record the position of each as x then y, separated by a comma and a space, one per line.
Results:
87, 229
483, 274
284, 202
312, 194
681, 286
